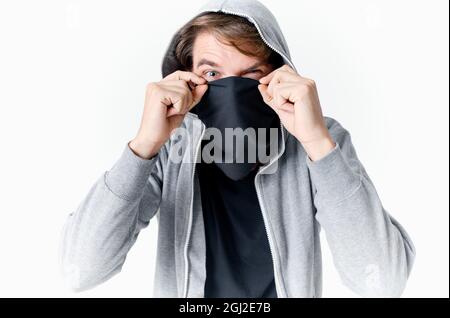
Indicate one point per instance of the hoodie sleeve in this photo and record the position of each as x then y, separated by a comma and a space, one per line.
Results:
98, 235
371, 251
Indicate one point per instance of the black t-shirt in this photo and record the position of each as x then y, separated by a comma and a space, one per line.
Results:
238, 259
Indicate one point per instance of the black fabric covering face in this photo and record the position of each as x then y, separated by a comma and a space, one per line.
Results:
235, 102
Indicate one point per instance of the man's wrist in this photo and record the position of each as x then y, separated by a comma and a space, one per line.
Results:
144, 150
318, 149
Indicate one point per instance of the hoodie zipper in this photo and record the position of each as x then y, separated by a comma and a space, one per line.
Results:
189, 229
281, 290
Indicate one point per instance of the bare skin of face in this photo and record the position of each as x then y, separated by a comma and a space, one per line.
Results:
214, 60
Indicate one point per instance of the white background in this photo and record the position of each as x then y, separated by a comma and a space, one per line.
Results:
72, 80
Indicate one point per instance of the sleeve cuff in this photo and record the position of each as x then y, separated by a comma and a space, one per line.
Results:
129, 174
332, 176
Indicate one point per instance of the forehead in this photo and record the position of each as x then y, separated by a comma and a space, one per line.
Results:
207, 46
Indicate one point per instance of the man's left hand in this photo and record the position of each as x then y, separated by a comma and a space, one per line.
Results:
295, 100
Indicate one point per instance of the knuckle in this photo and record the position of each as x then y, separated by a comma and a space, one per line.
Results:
185, 85
311, 83
176, 93
152, 88
182, 94
276, 88
185, 90
182, 83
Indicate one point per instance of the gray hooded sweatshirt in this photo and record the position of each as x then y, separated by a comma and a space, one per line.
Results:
371, 251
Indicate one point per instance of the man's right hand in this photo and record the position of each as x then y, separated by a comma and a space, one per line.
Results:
166, 104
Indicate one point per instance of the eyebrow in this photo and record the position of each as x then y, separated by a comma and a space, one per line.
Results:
214, 64
256, 65
206, 62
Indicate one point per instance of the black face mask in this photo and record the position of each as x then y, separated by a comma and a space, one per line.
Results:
235, 102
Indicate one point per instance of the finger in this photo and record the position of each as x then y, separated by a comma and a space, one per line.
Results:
197, 94
185, 76
268, 99
171, 111
285, 68
177, 100
273, 82
285, 116
283, 77
185, 93
289, 69
282, 97
266, 79
176, 83
178, 89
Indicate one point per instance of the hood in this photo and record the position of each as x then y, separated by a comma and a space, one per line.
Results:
252, 10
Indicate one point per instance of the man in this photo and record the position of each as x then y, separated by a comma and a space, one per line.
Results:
239, 228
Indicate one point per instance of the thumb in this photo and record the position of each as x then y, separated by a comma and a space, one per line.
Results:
197, 94
263, 89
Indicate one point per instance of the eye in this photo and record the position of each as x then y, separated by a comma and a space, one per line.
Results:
211, 74
254, 71
255, 74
